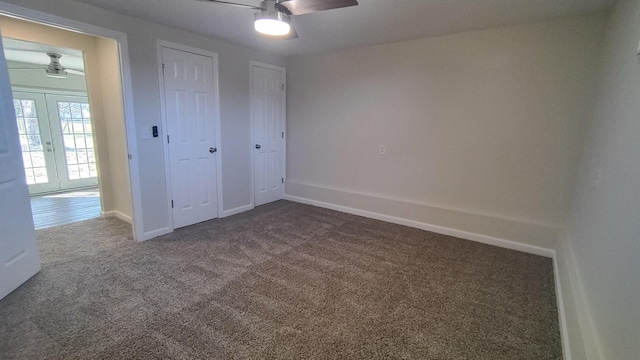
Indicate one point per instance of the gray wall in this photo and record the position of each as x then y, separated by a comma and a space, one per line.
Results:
603, 230
234, 99
480, 123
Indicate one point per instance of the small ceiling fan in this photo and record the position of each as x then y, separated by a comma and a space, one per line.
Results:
54, 69
274, 16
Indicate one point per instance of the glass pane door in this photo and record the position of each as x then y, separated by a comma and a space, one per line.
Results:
70, 118
36, 142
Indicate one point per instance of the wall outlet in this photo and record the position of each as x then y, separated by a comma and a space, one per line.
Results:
383, 150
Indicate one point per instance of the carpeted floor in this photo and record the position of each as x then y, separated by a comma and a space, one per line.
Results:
284, 281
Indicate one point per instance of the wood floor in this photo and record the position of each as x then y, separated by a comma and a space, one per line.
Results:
59, 209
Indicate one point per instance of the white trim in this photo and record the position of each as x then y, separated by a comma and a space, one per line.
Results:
116, 214
217, 121
283, 126
158, 232
562, 317
237, 210
163, 135
37, 90
585, 325
125, 68
481, 238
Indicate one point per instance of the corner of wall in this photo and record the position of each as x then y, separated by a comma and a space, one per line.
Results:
579, 341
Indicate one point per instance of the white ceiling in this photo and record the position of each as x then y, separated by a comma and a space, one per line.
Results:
372, 22
35, 53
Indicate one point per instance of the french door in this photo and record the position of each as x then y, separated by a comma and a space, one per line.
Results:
56, 138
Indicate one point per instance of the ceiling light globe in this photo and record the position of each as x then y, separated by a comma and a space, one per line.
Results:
273, 27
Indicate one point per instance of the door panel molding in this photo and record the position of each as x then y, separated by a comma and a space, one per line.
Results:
164, 123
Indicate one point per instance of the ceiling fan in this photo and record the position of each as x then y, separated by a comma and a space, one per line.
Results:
54, 69
274, 16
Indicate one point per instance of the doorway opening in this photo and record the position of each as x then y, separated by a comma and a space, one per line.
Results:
69, 109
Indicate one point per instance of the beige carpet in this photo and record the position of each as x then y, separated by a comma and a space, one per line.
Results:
284, 281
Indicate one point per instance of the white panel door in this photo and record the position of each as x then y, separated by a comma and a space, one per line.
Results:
190, 100
267, 95
19, 258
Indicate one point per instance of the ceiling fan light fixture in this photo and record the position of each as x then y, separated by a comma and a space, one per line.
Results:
56, 74
55, 69
272, 23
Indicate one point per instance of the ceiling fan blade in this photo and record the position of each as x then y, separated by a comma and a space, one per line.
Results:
233, 4
25, 68
74, 72
301, 7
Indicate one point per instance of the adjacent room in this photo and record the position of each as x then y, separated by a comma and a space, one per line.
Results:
320, 179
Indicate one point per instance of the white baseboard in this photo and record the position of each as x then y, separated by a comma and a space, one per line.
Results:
579, 330
562, 315
155, 233
506, 233
485, 239
237, 210
472, 236
117, 214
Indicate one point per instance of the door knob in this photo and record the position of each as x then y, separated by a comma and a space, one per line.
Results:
212, 150
49, 150
258, 146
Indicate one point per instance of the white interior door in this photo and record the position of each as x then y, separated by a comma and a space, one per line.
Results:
19, 258
190, 101
267, 111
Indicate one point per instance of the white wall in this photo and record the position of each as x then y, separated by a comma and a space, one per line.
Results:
603, 242
234, 98
482, 129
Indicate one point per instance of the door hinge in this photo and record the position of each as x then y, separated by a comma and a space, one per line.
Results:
282, 87
283, 134
283, 180
172, 204
168, 139
164, 70
130, 157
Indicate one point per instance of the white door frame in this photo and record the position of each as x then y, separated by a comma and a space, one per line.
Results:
125, 72
283, 125
163, 110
